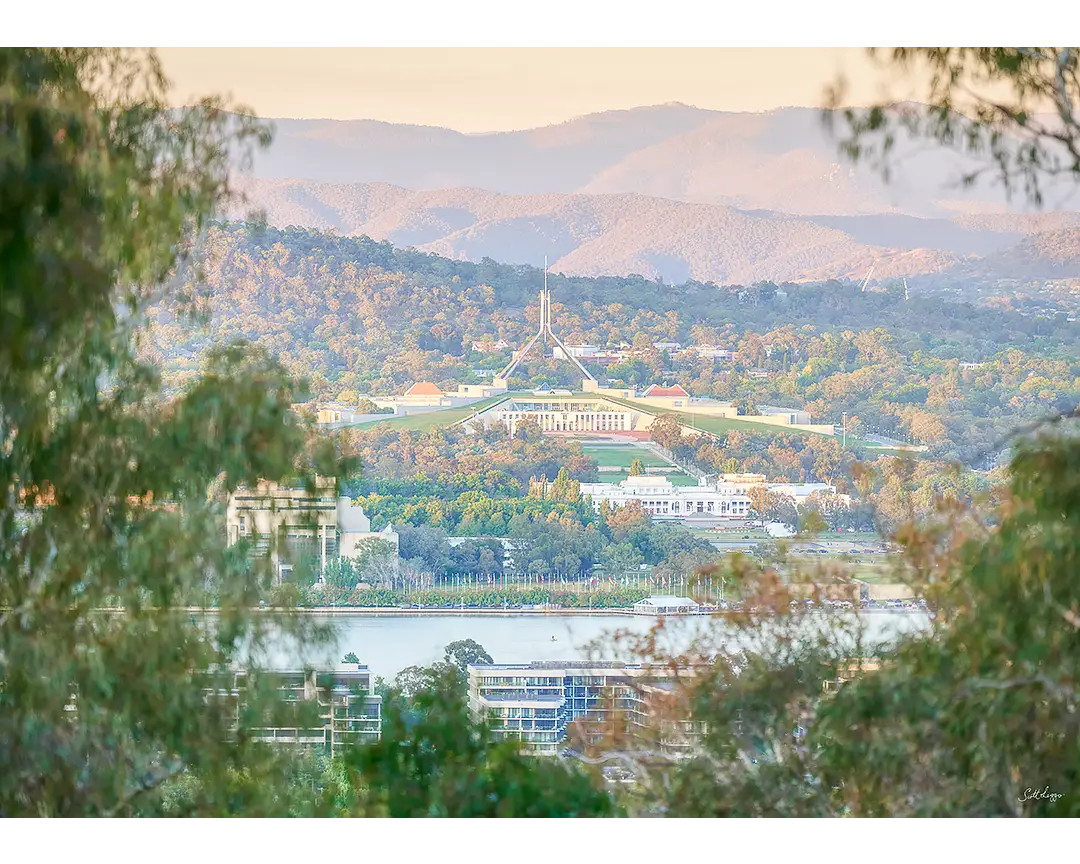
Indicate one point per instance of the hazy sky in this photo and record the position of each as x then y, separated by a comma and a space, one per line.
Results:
494, 89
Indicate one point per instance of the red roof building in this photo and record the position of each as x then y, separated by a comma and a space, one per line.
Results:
677, 391
423, 388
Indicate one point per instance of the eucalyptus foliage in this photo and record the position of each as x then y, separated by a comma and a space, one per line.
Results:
108, 524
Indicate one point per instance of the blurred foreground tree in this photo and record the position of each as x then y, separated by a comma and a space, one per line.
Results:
104, 487
977, 713
435, 760
974, 714
1014, 111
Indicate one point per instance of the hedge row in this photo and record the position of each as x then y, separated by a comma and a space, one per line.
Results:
612, 597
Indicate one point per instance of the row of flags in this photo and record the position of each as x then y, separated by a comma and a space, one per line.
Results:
504, 579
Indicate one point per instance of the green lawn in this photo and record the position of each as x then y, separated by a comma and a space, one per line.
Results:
621, 455
868, 568
721, 425
878, 452
845, 536
715, 425
433, 419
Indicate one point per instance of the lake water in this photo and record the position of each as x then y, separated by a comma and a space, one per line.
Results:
389, 644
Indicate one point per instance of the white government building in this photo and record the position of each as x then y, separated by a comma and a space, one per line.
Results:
725, 499
662, 499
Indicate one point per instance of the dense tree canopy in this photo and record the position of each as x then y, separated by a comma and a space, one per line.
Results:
105, 484
115, 699
354, 317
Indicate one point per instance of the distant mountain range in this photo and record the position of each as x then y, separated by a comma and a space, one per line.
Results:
671, 191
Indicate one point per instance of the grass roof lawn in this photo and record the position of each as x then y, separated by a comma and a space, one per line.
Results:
715, 425
720, 425
428, 420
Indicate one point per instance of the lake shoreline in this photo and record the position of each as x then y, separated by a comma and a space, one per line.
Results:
391, 612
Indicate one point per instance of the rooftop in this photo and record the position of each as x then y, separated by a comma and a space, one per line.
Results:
645, 480
423, 388
339, 669
666, 602
657, 390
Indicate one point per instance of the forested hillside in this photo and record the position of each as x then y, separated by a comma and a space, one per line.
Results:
589, 235
357, 317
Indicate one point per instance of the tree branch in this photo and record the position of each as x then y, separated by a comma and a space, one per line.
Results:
150, 781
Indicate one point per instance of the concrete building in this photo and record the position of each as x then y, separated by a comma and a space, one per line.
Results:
329, 709
556, 412
663, 500
794, 416
292, 526
336, 414
622, 408
535, 703
594, 387
423, 397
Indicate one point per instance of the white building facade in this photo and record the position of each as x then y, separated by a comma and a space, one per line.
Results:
727, 498
661, 499
568, 413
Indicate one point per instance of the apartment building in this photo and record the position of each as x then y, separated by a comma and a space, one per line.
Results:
537, 703
299, 529
329, 709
